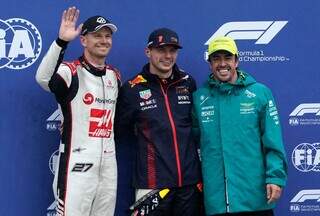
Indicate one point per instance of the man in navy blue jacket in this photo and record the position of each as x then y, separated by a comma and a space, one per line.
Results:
154, 109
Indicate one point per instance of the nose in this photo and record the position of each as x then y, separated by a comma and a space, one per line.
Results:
222, 62
104, 40
167, 54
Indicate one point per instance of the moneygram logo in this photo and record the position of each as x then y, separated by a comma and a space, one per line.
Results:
20, 43
311, 196
306, 157
54, 121
260, 31
88, 98
305, 114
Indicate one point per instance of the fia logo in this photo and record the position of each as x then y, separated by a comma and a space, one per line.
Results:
306, 157
20, 43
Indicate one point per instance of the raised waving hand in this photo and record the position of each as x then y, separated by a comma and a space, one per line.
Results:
68, 30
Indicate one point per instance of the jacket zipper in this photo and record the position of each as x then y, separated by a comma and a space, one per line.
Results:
103, 120
227, 197
224, 169
173, 127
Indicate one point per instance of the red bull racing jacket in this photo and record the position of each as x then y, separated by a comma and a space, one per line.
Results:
154, 116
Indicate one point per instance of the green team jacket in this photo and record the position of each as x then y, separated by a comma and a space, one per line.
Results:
241, 144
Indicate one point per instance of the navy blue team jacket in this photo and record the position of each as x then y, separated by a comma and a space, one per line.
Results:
154, 116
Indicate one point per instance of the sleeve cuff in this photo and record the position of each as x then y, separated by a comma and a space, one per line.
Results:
276, 181
61, 43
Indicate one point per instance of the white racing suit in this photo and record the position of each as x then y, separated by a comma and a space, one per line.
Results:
86, 176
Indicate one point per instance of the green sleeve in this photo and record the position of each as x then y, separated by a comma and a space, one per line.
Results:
274, 153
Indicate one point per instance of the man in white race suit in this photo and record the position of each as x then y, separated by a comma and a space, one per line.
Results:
86, 90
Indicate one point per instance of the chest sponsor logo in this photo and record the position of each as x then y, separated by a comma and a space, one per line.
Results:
137, 80
148, 104
100, 124
203, 99
207, 114
146, 94
249, 94
89, 98
247, 108
182, 90
184, 99
109, 84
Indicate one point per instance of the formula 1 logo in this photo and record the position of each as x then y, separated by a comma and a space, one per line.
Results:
51, 210
261, 31
312, 108
304, 195
306, 201
54, 121
305, 114
20, 43
100, 123
306, 157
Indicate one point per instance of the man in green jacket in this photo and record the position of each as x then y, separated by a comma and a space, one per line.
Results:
243, 160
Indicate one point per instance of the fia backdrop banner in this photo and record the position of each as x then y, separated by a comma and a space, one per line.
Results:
278, 43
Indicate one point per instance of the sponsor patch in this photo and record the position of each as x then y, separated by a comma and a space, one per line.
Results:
247, 108
100, 123
137, 80
146, 94
207, 114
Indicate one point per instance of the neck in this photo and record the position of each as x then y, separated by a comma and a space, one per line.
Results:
95, 61
234, 78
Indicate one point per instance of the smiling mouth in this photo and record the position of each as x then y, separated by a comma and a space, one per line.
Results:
166, 63
224, 71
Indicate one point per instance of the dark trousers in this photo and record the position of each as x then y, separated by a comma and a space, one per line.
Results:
255, 213
184, 201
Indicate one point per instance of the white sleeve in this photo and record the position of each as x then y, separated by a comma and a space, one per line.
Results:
48, 67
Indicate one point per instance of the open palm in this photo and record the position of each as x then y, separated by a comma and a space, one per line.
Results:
68, 30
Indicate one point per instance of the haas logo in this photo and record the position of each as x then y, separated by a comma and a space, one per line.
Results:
88, 98
100, 123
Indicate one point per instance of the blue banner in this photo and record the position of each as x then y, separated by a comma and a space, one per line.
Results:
278, 43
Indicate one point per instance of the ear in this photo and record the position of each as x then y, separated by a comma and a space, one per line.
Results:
147, 52
237, 62
83, 41
210, 66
